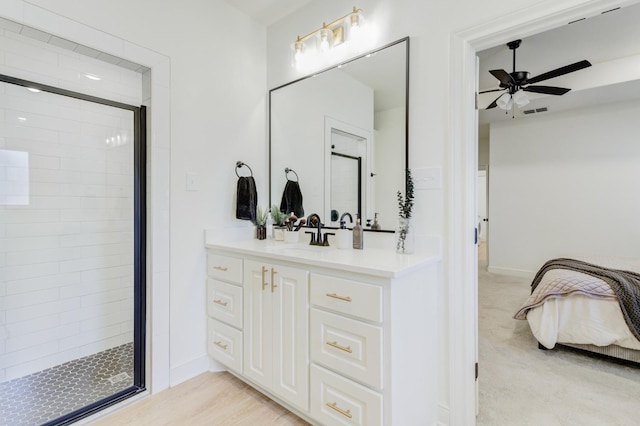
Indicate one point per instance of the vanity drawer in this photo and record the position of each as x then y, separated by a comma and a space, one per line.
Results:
224, 344
224, 267
347, 296
339, 401
347, 346
224, 302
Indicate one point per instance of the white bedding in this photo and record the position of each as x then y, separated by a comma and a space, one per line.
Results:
580, 319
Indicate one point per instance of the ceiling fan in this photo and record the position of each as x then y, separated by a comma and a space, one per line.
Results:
517, 82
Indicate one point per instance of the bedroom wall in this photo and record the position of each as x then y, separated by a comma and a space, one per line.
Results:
564, 184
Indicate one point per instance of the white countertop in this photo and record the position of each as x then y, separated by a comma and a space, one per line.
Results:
374, 261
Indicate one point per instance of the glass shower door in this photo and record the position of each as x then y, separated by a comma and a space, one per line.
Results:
71, 253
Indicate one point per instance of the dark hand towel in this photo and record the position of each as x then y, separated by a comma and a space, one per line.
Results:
247, 199
292, 199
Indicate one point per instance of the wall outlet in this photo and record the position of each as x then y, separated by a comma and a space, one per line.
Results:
427, 178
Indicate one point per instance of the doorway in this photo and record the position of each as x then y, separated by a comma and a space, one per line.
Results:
72, 194
462, 254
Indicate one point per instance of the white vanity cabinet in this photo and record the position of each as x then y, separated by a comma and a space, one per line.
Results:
340, 337
276, 320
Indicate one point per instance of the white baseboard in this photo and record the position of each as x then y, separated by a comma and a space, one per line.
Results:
512, 272
189, 370
215, 366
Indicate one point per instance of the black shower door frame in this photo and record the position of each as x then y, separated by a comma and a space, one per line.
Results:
140, 226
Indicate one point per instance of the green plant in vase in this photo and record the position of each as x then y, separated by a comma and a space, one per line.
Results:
277, 216
261, 222
404, 234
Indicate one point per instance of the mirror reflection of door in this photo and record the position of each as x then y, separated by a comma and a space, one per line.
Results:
348, 152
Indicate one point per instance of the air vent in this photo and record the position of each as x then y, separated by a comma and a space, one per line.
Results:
610, 10
534, 111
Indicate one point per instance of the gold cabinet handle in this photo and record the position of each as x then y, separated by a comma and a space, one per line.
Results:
220, 302
342, 348
273, 281
334, 406
221, 345
220, 268
264, 283
335, 296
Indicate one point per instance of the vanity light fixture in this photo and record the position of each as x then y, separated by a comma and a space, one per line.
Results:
328, 36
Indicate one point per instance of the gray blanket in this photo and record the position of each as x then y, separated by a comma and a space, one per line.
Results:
625, 284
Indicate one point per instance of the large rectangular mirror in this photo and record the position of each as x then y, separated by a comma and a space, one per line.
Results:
342, 134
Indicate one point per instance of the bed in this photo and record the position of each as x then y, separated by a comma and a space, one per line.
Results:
576, 302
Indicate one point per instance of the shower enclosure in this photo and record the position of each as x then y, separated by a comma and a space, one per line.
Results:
72, 252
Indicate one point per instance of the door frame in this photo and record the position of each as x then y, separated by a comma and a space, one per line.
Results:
460, 251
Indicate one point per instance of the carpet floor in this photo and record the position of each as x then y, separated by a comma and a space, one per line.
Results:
523, 385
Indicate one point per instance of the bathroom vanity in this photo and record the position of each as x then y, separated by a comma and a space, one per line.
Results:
336, 336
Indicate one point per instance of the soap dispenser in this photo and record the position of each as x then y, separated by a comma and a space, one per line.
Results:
343, 235
358, 237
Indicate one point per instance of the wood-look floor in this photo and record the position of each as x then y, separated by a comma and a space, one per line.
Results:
208, 399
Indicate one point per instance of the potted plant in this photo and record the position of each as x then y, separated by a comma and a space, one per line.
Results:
261, 223
278, 222
404, 234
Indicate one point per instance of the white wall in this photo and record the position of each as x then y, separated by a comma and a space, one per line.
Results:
66, 247
390, 131
564, 184
218, 116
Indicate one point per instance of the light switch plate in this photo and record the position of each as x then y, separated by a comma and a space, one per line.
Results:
192, 182
427, 178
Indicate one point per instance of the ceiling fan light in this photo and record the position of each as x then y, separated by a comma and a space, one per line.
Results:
504, 101
520, 98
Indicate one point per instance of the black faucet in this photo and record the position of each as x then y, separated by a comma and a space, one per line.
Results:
342, 221
314, 221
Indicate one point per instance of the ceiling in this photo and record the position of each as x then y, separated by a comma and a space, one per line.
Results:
267, 11
609, 41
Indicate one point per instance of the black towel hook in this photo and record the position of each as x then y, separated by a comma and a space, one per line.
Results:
240, 164
286, 172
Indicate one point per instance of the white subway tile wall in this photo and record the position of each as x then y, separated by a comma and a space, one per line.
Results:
66, 207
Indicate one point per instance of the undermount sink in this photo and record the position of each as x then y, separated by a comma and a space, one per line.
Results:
292, 248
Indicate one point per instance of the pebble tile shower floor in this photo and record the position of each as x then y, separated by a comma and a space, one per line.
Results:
49, 394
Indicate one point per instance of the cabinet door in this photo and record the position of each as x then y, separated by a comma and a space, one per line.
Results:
290, 294
258, 333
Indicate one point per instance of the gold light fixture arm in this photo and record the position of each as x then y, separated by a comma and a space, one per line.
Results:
329, 25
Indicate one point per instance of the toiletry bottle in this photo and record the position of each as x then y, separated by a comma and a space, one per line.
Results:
375, 225
358, 240
269, 225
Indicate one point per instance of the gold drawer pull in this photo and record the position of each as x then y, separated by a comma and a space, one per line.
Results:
220, 302
342, 348
264, 283
334, 405
273, 280
220, 268
335, 296
221, 345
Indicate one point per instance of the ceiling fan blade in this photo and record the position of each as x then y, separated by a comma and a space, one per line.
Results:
503, 76
560, 71
492, 90
547, 90
494, 103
